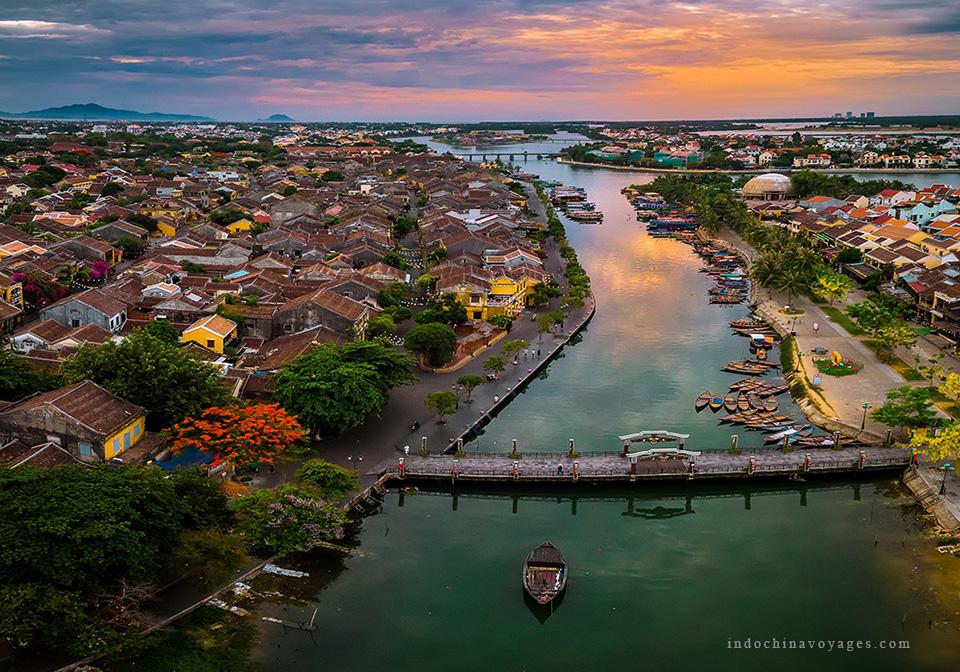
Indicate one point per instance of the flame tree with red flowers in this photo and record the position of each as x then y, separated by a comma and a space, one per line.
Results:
241, 435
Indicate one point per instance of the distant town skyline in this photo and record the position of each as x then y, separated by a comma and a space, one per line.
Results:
488, 60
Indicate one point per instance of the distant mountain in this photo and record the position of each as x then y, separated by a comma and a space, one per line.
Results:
276, 118
94, 112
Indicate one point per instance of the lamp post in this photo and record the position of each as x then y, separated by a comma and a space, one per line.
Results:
865, 405
354, 460
943, 482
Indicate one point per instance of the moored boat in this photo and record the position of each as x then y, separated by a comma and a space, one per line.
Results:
730, 403
703, 400
545, 573
716, 403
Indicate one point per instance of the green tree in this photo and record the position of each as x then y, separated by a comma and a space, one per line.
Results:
332, 176
448, 310
542, 292
210, 554
19, 378
893, 335
130, 246
873, 315
436, 341
334, 388
163, 330
288, 190
381, 325
793, 282
427, 282
393, 259
514, 347
495, 365
469, 382
503, 320
849, 255
330, 480
168, 382
545, 324
143, 221
111, 189
907, 407
70, 535
442, 403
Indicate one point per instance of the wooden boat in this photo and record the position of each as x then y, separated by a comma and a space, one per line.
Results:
741, 383
770, 404
716, 403
755, 402
743, 367
545, 573
743, 404
703, 400
730, 403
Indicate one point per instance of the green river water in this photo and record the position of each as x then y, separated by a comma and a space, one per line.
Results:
661, 578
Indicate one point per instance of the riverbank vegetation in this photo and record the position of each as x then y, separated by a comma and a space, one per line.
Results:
577, 278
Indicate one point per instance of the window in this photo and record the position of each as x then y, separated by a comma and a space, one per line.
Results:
210, 343
74, 323
136, 430
126, 440
116, 446
86, 450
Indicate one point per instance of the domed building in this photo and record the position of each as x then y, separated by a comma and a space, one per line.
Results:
767, 187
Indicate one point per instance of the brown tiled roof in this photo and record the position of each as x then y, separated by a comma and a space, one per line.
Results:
87, 403
96, 300
47, 330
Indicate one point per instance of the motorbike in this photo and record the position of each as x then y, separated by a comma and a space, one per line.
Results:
415, 426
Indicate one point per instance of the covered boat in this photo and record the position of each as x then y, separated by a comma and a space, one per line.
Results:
545, 573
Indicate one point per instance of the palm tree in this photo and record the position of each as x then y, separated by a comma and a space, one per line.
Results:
766, 271
792, 282
805, 260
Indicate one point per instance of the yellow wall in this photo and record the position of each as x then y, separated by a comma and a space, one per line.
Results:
201, 336
114, 445
166, 229
241, 225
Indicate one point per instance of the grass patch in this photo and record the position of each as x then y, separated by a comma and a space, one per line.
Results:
908, 373
843, 320
795, 311
208, 640
788, 354
825, 366
945, 403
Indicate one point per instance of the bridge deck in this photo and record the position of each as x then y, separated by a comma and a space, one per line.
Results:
607, 467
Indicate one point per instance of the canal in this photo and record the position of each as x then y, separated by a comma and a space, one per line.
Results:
657, 581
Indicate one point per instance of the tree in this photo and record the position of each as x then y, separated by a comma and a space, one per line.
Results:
850, 255
495, 365
946, 444
333, 388
292, 520
381, 325
393, 294
792, 281
143, 221
393, 259
502, 320
332, 176
168, 382
39, 289
545, 324
448, 310
871, 315
469, 382
542, 292
288, 190
893, 335
832, 285
163, 330
442, 403
69, 535
19, 377
434, 340
427, 282
330, 480
227, 216
514, 347
240, 435
111, 189
907, 407
951, 386
130, 246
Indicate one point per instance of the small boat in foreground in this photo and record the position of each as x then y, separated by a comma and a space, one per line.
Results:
716, 403
703, 400
545, 573
730, 403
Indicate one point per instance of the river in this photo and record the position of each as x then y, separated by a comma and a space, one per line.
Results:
660, 577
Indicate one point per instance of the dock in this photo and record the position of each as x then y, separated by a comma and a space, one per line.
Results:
617, 467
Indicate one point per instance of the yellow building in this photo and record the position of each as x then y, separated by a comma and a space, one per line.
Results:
210, 332
239, 225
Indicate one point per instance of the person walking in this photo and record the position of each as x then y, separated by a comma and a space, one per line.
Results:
560, 469
406, 450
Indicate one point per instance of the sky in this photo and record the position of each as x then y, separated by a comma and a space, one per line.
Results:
483, 60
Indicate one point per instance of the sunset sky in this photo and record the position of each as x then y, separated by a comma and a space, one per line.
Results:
459, 60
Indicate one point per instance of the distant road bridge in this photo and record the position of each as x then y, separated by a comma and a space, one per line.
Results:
484, 156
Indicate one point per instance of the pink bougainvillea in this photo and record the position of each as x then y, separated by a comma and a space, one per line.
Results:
39, 289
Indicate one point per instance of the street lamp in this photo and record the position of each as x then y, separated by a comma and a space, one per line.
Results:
943, 483
354, 460
865, 405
